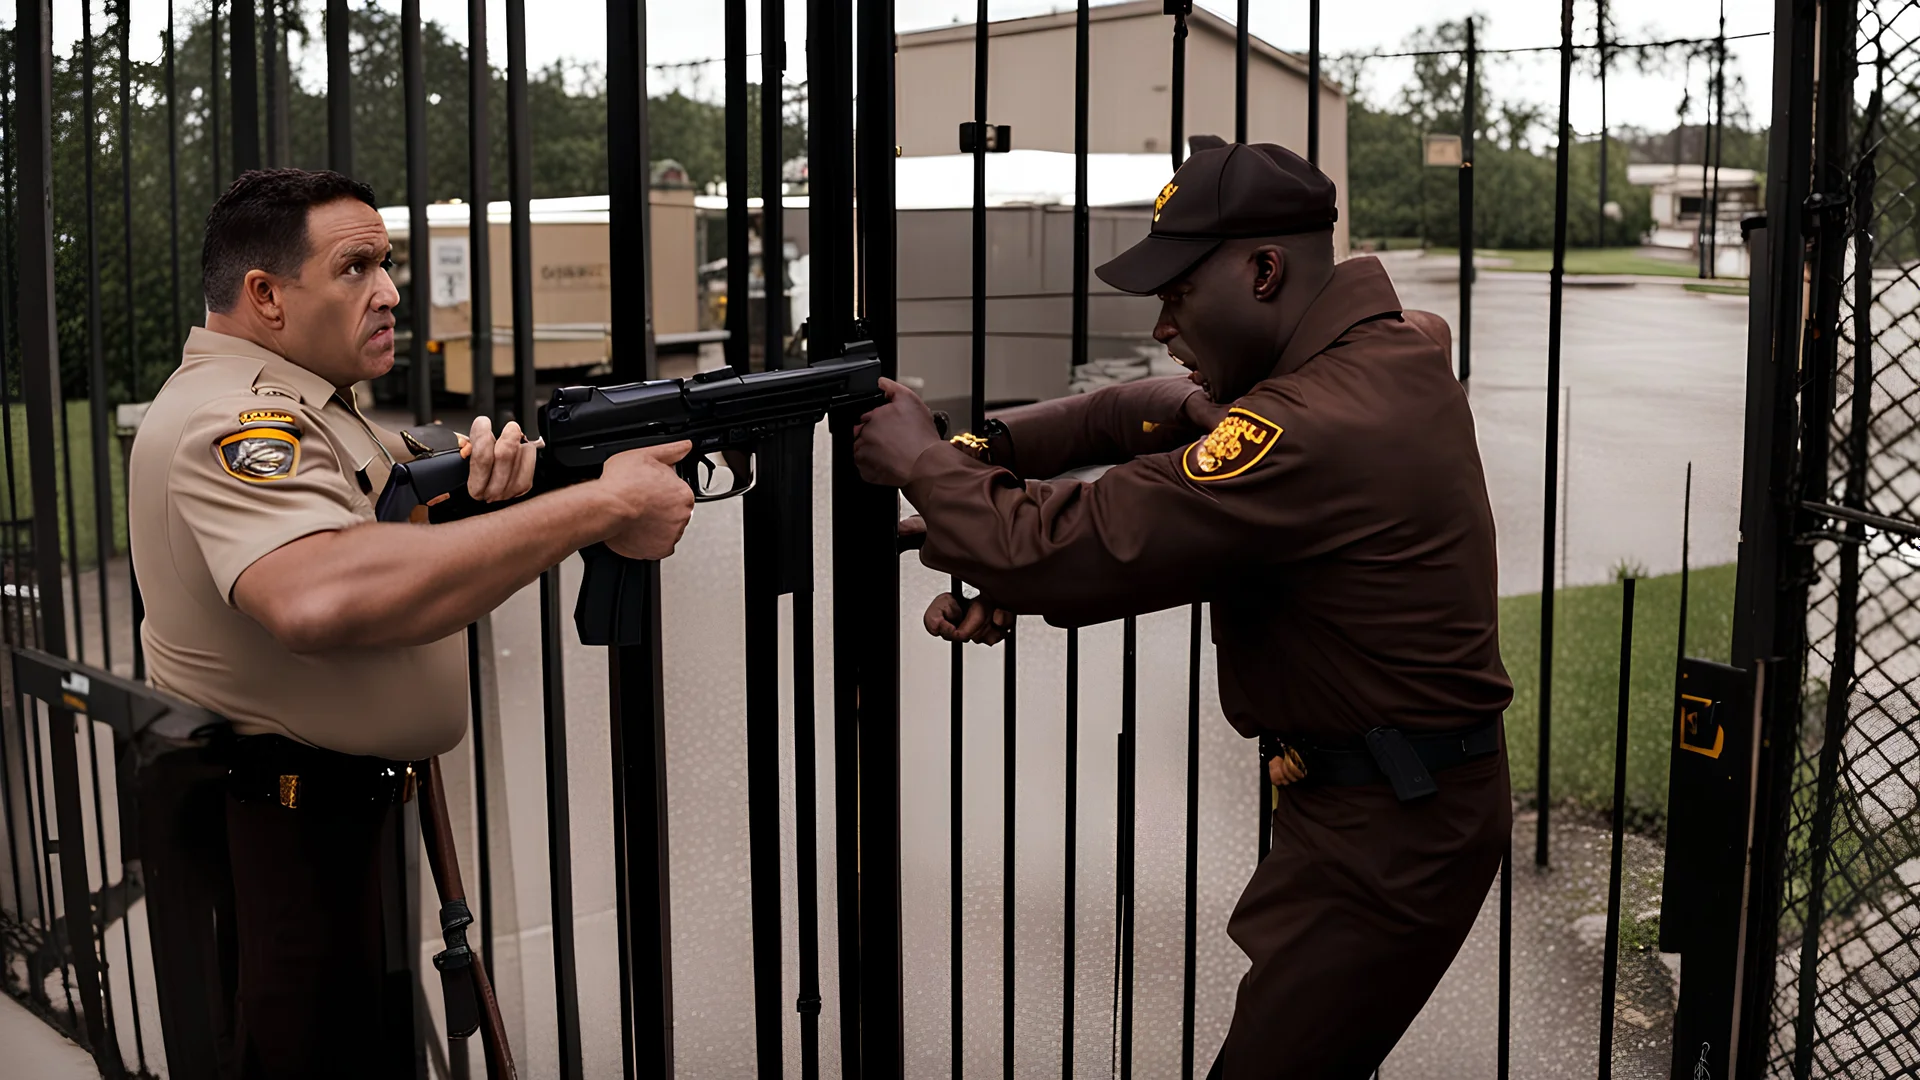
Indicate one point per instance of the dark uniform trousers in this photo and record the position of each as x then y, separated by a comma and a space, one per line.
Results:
314, 996
1353, 918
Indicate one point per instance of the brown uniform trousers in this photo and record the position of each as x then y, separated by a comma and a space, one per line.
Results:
1337, 522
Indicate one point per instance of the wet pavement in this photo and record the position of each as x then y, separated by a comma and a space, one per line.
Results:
1656, 374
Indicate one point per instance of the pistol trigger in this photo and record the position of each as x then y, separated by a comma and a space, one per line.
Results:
706, 464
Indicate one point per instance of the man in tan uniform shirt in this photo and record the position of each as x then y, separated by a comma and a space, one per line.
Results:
332, 641
1335, 518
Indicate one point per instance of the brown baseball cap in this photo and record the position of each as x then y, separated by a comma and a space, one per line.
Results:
1225, 191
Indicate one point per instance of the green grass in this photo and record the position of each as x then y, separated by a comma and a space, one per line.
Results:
1586, 681
79, 434
1586, 261
1386, 243
1720, 290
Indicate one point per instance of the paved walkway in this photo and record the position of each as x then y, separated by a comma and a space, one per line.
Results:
34, 1051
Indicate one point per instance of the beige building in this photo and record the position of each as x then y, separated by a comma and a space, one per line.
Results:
1130, 56
571, 290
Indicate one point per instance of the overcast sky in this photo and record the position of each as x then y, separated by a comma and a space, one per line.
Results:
683, 30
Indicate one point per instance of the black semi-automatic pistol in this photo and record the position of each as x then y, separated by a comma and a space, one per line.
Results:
751, 423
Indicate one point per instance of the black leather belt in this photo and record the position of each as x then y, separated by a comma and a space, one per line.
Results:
1389, 756
273, 768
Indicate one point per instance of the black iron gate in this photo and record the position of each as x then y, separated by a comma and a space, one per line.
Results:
1830, 559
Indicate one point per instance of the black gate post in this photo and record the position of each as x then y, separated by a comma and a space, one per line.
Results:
871, 522
40, 380
1771, 583
635, 684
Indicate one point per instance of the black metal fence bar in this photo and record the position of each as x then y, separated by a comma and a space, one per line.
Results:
40, 379
1766, 623
244, 86
1469, 122
1313, 81
339, 89
1125, 761
956, 666
872, 536
15, 619
271, 66
1188, 970
214, 137
766, 571
1082, 257
739, 255
413, 88
1610, 956
520, 240
805, 811
1827, 278
831, 225
123, 799
1555, 288
635, 687
765, 556
479, 190
773, 233
96, 369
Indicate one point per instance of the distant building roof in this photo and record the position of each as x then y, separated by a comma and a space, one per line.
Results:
1654, 174
1029, 177
1137, 9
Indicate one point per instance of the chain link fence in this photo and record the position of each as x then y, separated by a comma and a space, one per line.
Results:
1846, 998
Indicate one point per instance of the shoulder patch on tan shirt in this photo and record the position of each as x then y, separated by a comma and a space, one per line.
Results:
262, 451
1242, 438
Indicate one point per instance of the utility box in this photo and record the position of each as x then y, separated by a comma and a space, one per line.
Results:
1709, 816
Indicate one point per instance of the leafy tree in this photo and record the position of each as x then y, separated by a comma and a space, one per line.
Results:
566, 104
1393, 194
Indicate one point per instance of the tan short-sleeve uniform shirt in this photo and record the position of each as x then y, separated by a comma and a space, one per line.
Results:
241, 453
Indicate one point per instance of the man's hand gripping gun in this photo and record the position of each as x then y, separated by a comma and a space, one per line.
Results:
759, 425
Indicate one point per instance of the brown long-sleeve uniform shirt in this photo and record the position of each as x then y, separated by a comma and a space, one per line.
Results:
1337, 522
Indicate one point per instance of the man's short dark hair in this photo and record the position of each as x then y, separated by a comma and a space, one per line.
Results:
260, 223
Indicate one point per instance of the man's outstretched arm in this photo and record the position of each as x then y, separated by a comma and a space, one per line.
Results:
377, 584
1106, 427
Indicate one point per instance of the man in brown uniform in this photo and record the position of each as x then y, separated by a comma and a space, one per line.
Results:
1336, 518
331, 641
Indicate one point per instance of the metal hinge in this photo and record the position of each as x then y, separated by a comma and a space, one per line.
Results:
1823, 208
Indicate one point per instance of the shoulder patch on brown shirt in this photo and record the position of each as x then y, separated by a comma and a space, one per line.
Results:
1236, 445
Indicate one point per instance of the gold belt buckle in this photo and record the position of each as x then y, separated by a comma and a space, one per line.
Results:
290, 790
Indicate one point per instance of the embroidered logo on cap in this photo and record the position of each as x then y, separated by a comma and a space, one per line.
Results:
1236, 445
1165, 194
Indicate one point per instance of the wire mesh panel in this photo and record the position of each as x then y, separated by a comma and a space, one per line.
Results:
1846, 997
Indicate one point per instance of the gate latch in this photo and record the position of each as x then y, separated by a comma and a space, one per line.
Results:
999, 138
1823, 208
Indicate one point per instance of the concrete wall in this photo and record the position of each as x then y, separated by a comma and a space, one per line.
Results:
1029, 305
1030, 87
